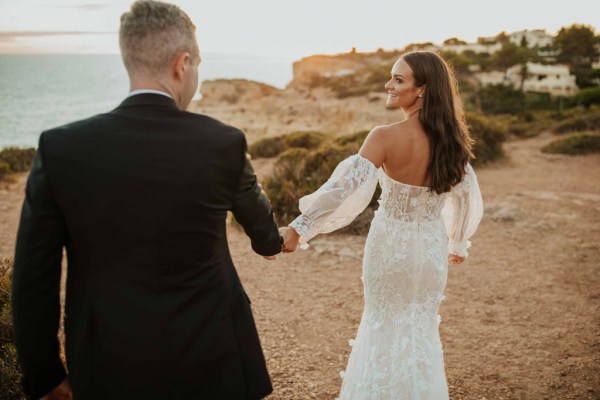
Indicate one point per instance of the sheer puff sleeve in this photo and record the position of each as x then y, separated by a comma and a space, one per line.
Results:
335, 204
462, 213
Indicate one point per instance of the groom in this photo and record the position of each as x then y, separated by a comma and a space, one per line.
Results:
139, 198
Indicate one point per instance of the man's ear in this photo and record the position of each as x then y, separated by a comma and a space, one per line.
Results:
180, 65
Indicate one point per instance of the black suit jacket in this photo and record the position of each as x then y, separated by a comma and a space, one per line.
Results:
154, 307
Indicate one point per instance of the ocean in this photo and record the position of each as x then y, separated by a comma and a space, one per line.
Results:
38, 92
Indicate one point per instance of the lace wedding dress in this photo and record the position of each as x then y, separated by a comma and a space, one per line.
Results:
397, 352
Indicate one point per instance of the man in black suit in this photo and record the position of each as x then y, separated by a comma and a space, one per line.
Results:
139, 198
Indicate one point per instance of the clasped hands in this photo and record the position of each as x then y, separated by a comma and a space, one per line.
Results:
291, 240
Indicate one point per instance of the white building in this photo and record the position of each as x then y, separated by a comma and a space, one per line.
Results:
553, 79
491, 78
474, 47
534, 38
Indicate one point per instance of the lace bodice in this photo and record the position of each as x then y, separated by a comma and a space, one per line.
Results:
408, 203
350, 189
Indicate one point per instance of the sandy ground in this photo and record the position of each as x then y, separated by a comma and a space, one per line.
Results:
522, 316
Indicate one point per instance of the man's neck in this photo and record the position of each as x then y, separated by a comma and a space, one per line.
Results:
152, 85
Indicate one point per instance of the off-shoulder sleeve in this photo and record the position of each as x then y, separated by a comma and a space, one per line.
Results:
335, 204
462, 213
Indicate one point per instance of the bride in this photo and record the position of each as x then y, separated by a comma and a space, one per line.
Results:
430, 206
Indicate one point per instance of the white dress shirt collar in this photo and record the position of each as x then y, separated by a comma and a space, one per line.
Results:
144, 91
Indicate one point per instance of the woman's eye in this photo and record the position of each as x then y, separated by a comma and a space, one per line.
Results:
399, 80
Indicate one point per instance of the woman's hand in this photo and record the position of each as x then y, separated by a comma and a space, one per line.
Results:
454, 259
291, 239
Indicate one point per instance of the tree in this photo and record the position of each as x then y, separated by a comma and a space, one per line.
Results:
502, 37
576, 47
510, 55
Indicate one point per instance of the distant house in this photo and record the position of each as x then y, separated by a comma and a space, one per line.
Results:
533, 38
474, 47
491, 78
554, 79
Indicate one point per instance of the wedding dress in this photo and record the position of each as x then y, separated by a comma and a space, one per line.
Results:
397, 353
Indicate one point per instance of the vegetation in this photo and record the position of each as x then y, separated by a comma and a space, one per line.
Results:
589, 121
576, 45
267, 147
489, 134
588, 96
14, 159
10, 376
580, 143
305, 140
271, 147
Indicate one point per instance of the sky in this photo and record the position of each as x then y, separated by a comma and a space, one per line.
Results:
285, 28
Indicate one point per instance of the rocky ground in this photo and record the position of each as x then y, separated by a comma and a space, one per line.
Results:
522, 316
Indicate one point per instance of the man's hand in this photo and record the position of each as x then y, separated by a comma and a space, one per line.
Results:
61, 392
454, 259
291, 239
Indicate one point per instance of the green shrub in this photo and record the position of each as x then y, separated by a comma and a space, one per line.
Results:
4, 170
10, 376
579, 123
581, 143
355, 138
267, 147
489, 134
588, 96
18, 159
305, 140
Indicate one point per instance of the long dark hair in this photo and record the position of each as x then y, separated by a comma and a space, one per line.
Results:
443, 119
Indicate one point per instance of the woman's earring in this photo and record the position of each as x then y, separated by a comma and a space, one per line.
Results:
421, 95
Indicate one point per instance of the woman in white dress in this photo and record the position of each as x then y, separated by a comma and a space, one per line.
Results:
430, 206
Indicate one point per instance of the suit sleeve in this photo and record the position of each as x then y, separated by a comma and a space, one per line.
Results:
252, 209
36, 284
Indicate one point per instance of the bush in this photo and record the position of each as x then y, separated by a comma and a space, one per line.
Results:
10, 376
500, 99
267, 147
305, 140
356, 139
18, 159
588, 96
489, 134
4, 170
581, 143
579, 123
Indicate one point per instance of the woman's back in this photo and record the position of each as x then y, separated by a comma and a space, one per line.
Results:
402, 150
407, 153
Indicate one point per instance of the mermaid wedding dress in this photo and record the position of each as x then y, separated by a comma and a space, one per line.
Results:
397, 353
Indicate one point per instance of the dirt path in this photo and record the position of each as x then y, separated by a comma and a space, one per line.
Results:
521, 319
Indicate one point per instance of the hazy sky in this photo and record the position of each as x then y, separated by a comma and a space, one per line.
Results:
285, 28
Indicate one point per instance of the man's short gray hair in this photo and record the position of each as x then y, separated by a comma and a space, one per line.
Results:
152, 33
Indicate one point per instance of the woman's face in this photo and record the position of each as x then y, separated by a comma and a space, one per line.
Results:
402, 92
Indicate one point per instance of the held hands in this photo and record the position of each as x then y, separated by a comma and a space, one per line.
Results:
290, 241
454, 259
